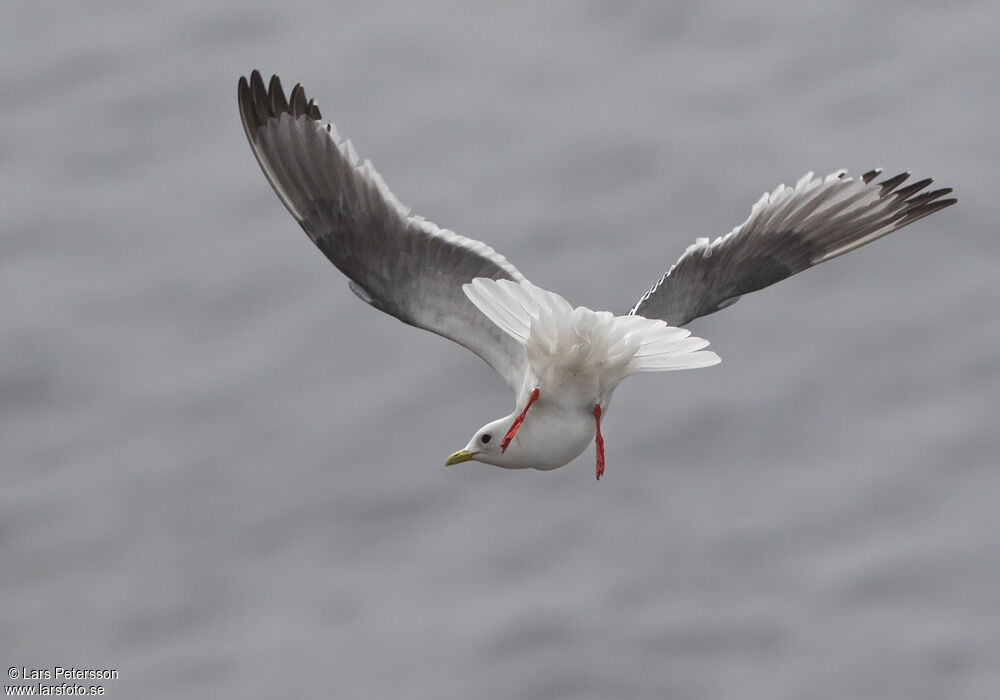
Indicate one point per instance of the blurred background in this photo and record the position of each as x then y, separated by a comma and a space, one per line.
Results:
222, 473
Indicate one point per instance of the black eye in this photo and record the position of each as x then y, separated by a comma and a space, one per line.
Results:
485, 438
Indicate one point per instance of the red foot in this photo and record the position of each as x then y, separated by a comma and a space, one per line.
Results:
517, 421
599, 441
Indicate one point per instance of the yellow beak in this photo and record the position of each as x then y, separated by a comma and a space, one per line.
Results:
459, 457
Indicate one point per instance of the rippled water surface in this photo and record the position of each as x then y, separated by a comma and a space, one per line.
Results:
222, 474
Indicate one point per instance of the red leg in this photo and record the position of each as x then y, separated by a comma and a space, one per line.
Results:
599, 441
517, 422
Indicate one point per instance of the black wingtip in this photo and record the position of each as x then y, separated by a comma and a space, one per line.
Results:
277, 95
297, 101
892, 183
259, 103
930, 196
920, 211
914, 188
312, 109
242, 91
257, 89
248, 113
871, 175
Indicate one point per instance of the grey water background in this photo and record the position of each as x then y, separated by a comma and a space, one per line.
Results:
222, 474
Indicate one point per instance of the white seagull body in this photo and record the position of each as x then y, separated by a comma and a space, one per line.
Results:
562, 363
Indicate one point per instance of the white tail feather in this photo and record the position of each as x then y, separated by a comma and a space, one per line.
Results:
692, 360
553, 331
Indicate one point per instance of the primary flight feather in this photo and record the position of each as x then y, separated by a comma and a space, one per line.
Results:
562, 363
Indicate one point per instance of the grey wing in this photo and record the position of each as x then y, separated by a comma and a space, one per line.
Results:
398, 262
788, 230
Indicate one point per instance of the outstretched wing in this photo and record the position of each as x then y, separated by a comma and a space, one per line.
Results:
398, 262
788, 230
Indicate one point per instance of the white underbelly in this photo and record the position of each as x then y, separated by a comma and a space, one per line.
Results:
556, 436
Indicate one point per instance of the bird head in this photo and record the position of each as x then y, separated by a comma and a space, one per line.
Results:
485, 447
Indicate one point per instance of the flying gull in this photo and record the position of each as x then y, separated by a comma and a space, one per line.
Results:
562, 363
